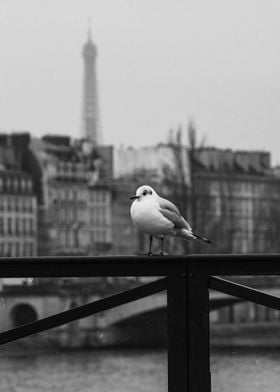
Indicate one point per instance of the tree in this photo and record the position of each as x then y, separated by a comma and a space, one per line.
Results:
180, 181
204, 197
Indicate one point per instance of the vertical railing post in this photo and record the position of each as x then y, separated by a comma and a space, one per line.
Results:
198, 334
177, 333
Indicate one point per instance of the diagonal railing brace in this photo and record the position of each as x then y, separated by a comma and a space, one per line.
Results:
83, 311
244, 292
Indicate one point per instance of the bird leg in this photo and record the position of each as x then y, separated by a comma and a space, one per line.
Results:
162, 239
150, 253
150, 246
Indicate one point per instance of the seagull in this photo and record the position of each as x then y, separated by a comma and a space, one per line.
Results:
159, 217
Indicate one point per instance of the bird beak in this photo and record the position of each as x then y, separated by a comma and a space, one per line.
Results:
134, 197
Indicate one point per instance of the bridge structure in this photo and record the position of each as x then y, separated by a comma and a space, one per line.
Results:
23, 304
18, 304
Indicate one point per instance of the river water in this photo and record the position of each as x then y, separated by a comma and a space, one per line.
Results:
131, 370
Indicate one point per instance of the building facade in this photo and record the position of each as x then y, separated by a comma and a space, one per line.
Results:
235, 199
18, 202
100, 218
231, 197
74, 203
18, 215
126, 239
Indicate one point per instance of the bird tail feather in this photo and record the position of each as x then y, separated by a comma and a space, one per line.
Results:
188, 235
202, 238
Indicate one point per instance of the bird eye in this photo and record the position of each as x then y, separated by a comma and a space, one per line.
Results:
144, 193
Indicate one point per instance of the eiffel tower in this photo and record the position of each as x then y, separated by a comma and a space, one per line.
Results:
90, 115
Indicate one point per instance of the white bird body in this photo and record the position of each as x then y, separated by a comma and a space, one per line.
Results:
158, 217
147, 217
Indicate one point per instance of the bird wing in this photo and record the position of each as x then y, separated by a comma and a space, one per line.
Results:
171, 212
164, 203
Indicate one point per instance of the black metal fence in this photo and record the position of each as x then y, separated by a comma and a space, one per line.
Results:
186, 280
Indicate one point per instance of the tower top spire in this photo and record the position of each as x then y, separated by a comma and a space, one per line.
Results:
89, 49
89, 29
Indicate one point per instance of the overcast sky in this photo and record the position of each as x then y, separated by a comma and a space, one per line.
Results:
160, 62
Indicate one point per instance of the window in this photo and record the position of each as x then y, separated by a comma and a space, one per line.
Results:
62, 215
8, 184
15, 184
69, 214
23, 226
29, 185
8, 249
27, 226
31, 249
61, 237
9, 222
67, 239
17, 249
1, 225
31, 226
23, 185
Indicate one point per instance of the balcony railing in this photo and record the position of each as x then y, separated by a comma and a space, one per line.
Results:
186, 280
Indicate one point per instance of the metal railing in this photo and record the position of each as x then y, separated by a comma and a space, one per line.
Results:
187, 281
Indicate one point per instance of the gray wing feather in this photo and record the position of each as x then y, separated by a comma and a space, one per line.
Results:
171, 212
168, 205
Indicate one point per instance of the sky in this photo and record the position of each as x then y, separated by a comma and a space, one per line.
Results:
160, 63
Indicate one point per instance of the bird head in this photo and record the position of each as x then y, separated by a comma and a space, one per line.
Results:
144, 191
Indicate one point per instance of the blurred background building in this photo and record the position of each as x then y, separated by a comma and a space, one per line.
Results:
63, 197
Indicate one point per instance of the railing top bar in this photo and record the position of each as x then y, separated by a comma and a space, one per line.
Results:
143, 258
80, 266
253, 264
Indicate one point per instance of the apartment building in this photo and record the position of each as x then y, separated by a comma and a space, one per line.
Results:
100, 218
18, 203
75, 203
